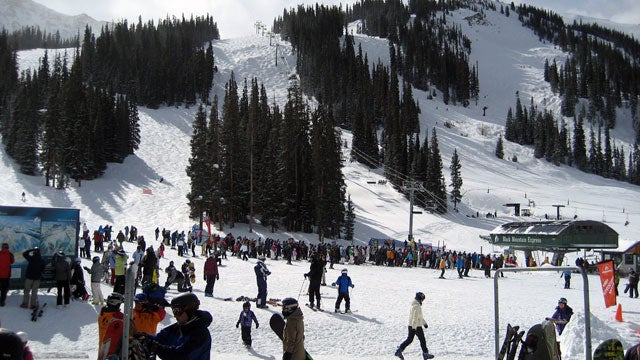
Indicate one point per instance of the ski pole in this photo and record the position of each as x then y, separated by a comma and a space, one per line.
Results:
301, 287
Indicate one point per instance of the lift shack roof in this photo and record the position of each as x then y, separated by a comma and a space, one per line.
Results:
555, 235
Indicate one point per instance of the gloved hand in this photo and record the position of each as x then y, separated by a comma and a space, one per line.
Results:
352, 286
237, 324
426, 326
333, 284
305, 275
287, 356
217, 276
257, 325
86, 268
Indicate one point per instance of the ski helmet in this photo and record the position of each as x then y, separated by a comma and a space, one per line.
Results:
246, 305
141, 297
562, 300
23, 336
289, 305
344, 271
95, 259
262, 258
115, 299
185, 303
420, 296
187, 261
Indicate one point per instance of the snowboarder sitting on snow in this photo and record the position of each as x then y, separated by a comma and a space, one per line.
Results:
562, 315
246, 318
343, 283
416, 323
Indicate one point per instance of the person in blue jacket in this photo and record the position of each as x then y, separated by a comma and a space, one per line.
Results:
343, 283
247, 317
188, 338
562, 315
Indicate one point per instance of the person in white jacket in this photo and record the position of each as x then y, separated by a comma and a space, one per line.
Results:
416, 323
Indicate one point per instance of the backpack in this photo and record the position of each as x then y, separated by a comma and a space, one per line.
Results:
540, 343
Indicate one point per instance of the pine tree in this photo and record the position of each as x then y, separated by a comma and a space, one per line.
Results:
579, 144
456, 179
349, 221
198, 169
499, 148
435, 179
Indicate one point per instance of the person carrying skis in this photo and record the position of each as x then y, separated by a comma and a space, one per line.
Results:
108, 312
261, 278
343, 283
315, 277
210, 274
187, 338
293, 332
246, 318
562, 315
416, 323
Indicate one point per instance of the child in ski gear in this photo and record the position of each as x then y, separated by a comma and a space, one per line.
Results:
416, 323
293, 332
189, 337
210, 274
147, 315
562, 315
343, 283
567, 278
6, 259
96, 271
33, 275
245, 319
108, 312
63, 275
261, 278
315, 273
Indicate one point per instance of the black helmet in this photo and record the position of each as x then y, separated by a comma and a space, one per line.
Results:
420, 297
246, 304
115, 299
562, 300
95, 259
185, 303
289, 305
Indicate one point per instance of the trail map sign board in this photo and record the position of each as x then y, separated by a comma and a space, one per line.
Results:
50, 229
555, 235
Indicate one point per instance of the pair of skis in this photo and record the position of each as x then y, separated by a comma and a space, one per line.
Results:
37, 311
512, 340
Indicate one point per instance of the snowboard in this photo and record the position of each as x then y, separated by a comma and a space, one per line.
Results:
504, 349
277, 325
610, 349
38, 311
192, 272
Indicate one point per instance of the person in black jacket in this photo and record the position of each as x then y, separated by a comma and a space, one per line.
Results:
315, 277
33, 275
62, 276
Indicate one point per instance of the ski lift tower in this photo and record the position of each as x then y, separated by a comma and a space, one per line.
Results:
411, 186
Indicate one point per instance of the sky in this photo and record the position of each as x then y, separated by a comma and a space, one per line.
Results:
460, 313
237, 18
234, 18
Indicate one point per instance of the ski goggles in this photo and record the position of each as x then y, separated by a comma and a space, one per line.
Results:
177, 310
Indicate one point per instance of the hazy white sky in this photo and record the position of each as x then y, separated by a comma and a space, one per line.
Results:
234, 17
237, 17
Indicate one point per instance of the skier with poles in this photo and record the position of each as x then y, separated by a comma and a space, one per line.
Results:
315, 277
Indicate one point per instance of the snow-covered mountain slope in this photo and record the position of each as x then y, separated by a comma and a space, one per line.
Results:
15, 14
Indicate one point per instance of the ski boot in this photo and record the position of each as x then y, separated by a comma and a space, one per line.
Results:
399, 354
426, 356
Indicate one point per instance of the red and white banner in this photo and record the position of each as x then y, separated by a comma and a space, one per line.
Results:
606, 270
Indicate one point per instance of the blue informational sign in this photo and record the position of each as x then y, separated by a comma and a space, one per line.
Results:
49, 229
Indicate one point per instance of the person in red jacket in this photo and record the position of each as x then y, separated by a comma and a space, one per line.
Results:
210, 274
6, 259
